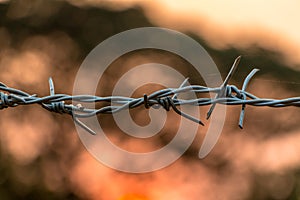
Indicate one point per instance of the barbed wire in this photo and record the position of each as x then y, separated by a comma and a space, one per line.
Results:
165, 98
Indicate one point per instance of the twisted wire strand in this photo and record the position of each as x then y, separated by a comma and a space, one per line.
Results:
165, 98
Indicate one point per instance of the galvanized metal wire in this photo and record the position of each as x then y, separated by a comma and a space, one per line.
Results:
165, 98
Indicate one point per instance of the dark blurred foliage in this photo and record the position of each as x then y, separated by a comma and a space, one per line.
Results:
87, 27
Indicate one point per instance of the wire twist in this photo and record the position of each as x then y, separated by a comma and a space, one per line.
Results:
165, 98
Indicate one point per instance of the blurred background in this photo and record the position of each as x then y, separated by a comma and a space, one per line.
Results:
41, 156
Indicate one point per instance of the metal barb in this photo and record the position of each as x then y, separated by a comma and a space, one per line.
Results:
223, 86
244, 97
166, 98
51, 85
60, 107
184, 83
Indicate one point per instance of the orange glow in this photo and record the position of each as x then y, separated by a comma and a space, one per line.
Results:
269, 24
133, 197
234, 23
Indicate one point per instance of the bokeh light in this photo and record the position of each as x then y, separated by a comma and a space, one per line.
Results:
41, 156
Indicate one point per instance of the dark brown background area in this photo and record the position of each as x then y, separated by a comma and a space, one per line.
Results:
41, 156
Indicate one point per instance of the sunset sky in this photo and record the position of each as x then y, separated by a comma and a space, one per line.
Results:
271, 24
